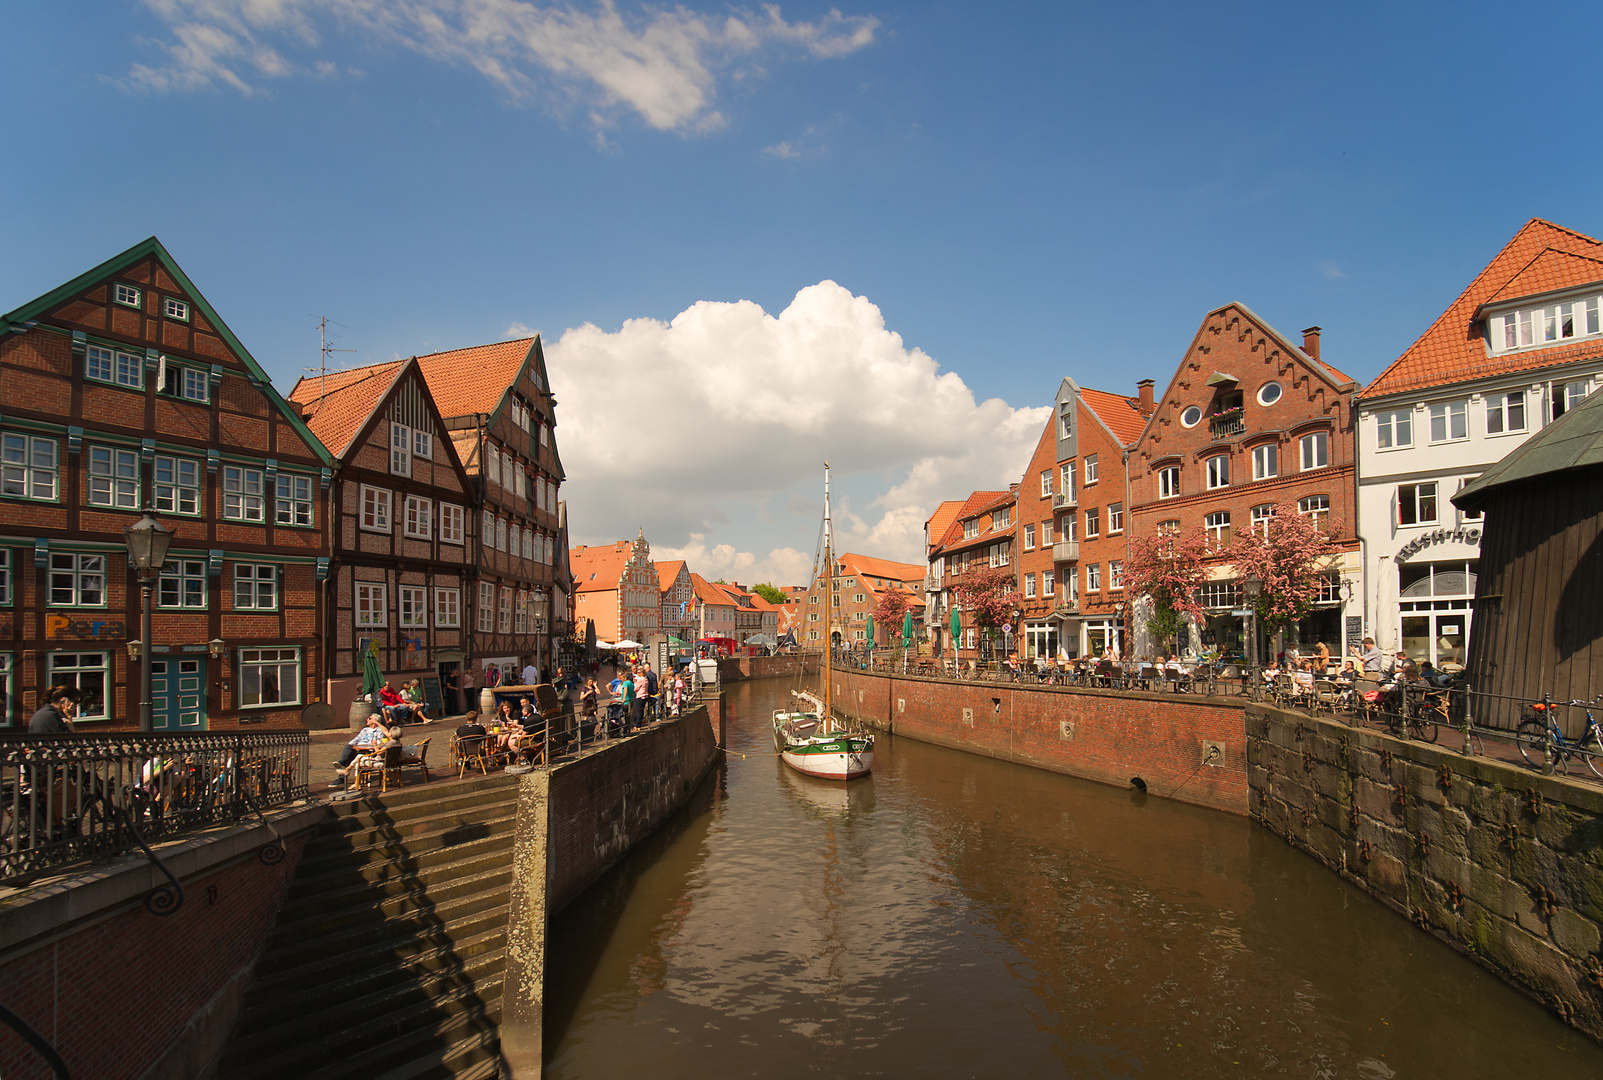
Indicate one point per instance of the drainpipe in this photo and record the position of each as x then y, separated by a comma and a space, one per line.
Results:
1363, 544
1129, 529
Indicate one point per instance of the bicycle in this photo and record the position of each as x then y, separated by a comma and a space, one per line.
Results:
1539, 726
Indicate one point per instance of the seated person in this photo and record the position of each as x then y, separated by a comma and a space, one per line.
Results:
374, 755
510, 730
365, 740
412, 696
392, 705
1348, 673
470, 726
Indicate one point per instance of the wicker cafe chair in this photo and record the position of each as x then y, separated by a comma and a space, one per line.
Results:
380, 765
472, 752
1327, 695
418, 760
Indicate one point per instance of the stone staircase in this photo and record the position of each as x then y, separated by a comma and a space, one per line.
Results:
387, 959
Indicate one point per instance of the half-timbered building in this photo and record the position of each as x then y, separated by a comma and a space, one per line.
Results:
123, 390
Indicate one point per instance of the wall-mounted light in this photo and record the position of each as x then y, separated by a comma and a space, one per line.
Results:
216, 647
134, 648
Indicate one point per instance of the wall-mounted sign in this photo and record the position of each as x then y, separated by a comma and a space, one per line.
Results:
60, 626
1438, 536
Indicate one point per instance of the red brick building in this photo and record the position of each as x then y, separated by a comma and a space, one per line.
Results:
406, 529
618, 590
860, 582
981, 534
1248, 421
120, 390
1073, 527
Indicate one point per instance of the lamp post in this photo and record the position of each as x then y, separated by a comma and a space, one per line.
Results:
147, 541
1254, 589
1120, 609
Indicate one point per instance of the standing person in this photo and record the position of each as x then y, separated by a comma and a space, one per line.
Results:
1370, 657
678, 692
468, 702
588, 702
1322, 657
55, 718
531, 674
641, 694
492, 676
653, 700
627, 687
453, 683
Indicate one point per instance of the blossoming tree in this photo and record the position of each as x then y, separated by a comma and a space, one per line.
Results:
888, 613
1286, 554
1167, 569
986, 593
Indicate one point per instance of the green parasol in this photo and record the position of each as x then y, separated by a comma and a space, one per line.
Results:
372, 677
907, 629
957, 631
870, 633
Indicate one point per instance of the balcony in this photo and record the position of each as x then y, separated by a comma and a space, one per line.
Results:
1065, 500
1227, 425
1066, 551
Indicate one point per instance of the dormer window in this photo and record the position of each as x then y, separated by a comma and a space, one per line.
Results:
1549, 324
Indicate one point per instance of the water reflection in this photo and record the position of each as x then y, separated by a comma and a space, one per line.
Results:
959, 916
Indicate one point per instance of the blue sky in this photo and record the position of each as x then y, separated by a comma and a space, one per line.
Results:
1001, 195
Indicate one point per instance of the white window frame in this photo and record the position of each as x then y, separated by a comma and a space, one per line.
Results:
113, 477
529, 542
1216, 470
174, 308
1093, 577
24, 471
422, 443
1313, 450
419, 517
1320, 513
175, 485
255, 663
504, 611
69, 669
1411, 498
452, 520
1169, 482
1502, 409
1046, 483
181, 584
1029, 586
1046, 533
115, 367
77, 580
126, 295
412, 606
485, 617
487, 530
1115, 519
1115, 574
1394, 429
244, 495
500, 533
376, 509
447, 607
1093, 522
5, 588
294, 501
1029, 538
1216, 524
492, 463
400, 449
255, 586
1451, 418
1091, 469
1260, 516
370, 604
1266, 461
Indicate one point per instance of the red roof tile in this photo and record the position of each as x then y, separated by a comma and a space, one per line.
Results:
940, 521
1540, 258
338, 406
599, 569
1121, 414
473, 380
883, 568
708, 593
668, 573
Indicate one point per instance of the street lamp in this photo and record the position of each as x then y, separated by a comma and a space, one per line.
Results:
147, 541
1124, 631
1254, 589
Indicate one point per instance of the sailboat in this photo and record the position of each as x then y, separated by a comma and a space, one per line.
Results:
807, 735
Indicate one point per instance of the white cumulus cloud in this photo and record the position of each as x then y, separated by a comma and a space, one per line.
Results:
691, 428
659, 62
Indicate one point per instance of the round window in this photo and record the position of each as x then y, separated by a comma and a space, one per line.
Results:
1192, 416
1269, 393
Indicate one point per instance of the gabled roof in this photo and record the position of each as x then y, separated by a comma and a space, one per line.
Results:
1573, 441
1540, 258
668, 573
883, 568
1121, 415
708, 593
940, 521
476, 379
969, 508
337, 409
599, 569
152, 248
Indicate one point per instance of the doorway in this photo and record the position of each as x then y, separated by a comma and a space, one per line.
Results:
178, 694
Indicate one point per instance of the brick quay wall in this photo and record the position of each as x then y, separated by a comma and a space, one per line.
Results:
739, 668
1500, 862
1187, 747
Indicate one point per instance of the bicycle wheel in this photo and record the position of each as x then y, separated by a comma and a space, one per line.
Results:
1424, 726
1530, 737
1592, 751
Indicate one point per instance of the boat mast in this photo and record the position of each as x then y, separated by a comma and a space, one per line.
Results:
829, 600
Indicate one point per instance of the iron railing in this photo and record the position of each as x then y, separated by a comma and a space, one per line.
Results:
66, 798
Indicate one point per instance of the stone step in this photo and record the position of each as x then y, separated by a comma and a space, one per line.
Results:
398, 872
340, 1005
357, 835
438, 834
349, 816
405, 935
397, 800
385, 1040
345, 890
477, 1057
332, 920
302, 990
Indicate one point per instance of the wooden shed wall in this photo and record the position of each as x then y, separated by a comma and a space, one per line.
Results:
1539, 598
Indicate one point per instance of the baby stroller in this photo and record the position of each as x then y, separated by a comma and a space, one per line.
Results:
615, 719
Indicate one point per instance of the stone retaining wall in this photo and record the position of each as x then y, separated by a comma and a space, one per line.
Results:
737, 668
1187, 746
1503, 863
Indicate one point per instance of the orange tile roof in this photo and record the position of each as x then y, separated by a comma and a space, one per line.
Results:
883, 568
708, 593
668, 572
338, 406
474, 380
1121, 414
971, 506
941, 520
1540, 258
599, 569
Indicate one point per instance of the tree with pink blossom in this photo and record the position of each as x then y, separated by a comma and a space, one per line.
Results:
986, 593
1285, 553
1168, 570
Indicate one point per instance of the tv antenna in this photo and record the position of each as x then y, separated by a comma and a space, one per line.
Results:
324, 349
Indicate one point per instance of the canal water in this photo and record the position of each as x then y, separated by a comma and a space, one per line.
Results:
955, 916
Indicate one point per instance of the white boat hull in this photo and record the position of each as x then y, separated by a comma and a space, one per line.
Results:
830, 765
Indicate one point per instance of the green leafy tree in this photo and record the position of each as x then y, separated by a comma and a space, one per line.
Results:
771, 593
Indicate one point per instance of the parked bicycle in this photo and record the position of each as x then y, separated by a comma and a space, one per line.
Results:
1539, 729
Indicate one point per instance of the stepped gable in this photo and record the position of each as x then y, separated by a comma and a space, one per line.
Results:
1542, 257
389, 953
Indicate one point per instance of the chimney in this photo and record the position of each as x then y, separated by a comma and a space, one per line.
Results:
1310, 341
1144, 390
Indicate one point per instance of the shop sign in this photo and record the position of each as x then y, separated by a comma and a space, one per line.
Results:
1438, 536
60, 626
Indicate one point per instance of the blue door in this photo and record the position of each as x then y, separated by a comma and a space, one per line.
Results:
178, 694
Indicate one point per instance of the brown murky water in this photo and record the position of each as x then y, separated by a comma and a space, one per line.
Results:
954, 916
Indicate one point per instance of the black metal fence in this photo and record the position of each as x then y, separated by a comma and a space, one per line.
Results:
64, 798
